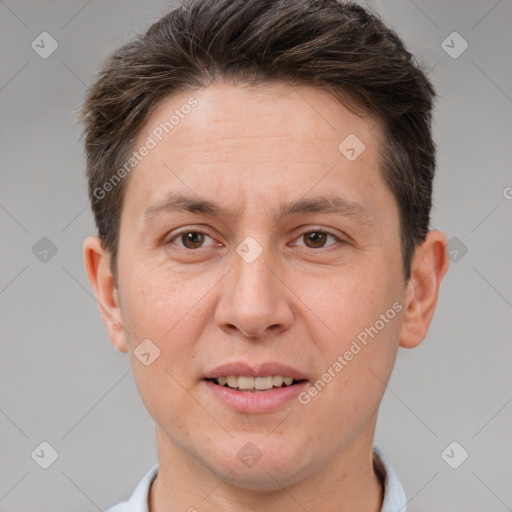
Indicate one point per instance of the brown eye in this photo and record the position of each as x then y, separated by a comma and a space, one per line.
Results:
189, 239
316, 238
192, 239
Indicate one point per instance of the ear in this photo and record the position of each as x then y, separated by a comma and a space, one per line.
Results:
97, 265
428, 268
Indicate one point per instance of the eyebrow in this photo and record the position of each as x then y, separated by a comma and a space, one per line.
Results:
332, 204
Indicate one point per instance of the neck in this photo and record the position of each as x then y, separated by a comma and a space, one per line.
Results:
348, 483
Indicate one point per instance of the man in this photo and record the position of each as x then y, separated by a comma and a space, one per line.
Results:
261, 178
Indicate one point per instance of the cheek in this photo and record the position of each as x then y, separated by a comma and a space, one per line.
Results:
361, 315
171, 310
161, 309
155, 301
164, 394
347, 302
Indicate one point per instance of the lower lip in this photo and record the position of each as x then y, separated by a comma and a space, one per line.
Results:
257, 402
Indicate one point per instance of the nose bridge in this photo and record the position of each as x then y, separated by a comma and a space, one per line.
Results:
253, 299
252, 273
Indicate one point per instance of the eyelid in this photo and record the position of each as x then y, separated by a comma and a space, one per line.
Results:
313, 229
168, 240
308, 229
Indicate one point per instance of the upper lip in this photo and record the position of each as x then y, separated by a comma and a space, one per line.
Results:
240, 368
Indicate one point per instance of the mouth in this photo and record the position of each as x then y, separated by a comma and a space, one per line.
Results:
251, 388
248, 384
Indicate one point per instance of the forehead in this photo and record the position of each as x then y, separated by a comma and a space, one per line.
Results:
271, 111
275, 137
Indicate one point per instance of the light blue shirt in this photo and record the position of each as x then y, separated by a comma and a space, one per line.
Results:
394, 496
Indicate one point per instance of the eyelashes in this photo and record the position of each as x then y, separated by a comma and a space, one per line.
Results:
192, 240
323, 235
196, 241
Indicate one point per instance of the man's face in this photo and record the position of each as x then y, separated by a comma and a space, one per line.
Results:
260, 287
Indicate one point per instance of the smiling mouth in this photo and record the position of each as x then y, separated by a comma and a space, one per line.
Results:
255, 384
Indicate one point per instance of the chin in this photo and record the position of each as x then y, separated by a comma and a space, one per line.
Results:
265, 478
260, 465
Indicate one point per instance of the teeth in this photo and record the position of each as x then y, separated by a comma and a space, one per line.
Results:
263, 382
246, 382
232, 381
242, 382
278, 380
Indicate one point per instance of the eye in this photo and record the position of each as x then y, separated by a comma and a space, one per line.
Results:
190, 239
316, 239
193, 239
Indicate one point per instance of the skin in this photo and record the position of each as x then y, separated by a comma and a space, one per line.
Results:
300, 303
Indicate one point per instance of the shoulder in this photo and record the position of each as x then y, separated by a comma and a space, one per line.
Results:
138, 501
120, 507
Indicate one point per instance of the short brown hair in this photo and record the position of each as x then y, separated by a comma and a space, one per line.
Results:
338, 46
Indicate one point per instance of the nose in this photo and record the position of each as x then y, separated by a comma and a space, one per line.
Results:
254, 301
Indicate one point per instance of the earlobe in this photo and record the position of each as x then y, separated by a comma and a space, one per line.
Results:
97, 265
429, 266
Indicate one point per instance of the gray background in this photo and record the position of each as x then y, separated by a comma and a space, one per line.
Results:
63, 382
